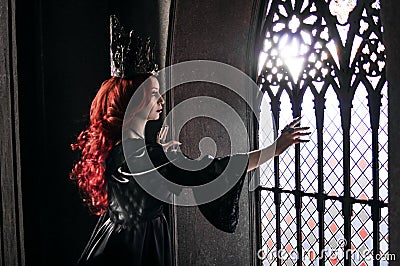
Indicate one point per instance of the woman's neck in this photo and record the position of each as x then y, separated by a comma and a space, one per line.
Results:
136, 129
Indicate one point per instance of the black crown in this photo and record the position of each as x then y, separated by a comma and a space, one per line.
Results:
130, 54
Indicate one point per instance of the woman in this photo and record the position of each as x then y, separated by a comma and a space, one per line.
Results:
132, 229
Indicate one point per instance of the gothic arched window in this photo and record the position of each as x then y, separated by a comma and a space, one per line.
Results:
325, 60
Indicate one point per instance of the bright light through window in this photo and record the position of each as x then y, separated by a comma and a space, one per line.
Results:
308, 66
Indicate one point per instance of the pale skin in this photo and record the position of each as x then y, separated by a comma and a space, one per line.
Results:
292, 134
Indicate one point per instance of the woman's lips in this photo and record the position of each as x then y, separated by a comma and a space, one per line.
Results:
159, 110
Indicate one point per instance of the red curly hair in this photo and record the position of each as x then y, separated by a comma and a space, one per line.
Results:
104, 131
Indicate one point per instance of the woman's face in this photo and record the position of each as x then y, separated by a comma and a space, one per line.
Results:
156, 100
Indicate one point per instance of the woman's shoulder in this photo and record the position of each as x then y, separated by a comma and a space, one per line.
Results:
116, 156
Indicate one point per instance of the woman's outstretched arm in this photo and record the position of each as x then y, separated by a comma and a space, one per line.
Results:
290, 135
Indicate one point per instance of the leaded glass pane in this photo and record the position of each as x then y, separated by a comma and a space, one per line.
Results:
286, 160
361, 235
383, 147
309, 151
333, 227
288, 230
309, 232
361, 146
268, 225
265, 138
384, 237
333, 146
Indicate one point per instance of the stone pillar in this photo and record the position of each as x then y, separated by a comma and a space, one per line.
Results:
391, 22
222, 31
11, 224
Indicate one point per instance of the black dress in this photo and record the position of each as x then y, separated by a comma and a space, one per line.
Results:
134, 231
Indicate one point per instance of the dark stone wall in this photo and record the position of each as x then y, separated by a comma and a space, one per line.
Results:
11, 210
391, 20
220, 31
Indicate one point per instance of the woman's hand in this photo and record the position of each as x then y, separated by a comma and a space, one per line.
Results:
290, 135
161, 137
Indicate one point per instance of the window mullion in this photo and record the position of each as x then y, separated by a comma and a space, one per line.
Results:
345, 112
275, 107
296, 107
374, 102
319, 105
